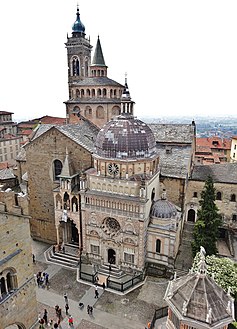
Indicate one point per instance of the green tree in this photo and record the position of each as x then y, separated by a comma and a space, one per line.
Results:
223, 270
206, 229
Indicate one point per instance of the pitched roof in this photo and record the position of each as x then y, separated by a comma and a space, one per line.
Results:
83, 134
220, 173
98, 58
96, 81
174, 161
214, 142
6, 174
52, 120
197, 296
173, 133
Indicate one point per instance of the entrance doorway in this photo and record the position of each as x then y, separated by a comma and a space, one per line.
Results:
75, 235
111, 256
191, 215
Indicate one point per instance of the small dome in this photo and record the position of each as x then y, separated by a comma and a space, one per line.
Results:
78, 26
163, 209
125, 137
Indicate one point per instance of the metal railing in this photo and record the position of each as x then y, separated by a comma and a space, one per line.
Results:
159, 313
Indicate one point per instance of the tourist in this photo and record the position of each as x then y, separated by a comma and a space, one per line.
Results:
67, 308
45, 316
65, 298
70, 321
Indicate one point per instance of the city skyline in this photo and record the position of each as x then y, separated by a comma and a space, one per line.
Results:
180, 57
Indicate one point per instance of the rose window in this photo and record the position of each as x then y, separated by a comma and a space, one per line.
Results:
111, 225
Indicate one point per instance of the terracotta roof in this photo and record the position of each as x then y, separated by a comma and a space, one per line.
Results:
27, 124
214, 142
3, 165
52, 120
26, 132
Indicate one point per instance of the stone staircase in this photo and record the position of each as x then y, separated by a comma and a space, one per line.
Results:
68, 259
184, 257
115, 272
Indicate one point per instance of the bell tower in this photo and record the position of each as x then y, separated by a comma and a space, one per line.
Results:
78, 53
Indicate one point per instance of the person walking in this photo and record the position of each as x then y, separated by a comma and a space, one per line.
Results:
91, 310
70, 321
67, 308
88, 309
96, 293
45, 316
103, 285
65, 298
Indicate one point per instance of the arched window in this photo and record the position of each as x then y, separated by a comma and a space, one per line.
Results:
57, 168
88, 92
158, 245
104, 92
74, 204
218, 196
191, 215
75, 68
66, 204
195, 194
115, 110
100, 112
233, 198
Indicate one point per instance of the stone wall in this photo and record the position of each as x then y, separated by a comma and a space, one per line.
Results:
19, 306
40, 155
226, 207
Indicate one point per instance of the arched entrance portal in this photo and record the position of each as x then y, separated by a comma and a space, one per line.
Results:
75, 235
111, 256
191, 215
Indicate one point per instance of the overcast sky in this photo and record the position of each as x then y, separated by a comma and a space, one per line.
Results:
180, 56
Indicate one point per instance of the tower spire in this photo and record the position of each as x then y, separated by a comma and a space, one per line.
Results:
126, 101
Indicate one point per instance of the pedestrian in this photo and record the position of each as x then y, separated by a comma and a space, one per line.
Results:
33, 258
109, 267
53, 249
67, 308
51, 324
38, 281
103, 285
70, 321
65, 298
96, 293
59, 314
56, 309
45, 316
88, 309
91, 310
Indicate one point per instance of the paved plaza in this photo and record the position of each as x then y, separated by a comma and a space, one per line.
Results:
110, 310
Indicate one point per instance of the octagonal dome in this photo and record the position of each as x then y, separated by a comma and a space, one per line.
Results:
125, 137
163, 209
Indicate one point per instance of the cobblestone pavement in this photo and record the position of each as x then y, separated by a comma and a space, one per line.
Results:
137, 306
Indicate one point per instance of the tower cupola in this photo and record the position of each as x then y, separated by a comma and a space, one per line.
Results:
78, 29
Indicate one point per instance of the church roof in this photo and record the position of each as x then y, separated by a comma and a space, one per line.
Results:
98, 58
197, 297
97, 81
163, 209
174, 160
220, 173
83, 134
6, 174
173, 133
125, 137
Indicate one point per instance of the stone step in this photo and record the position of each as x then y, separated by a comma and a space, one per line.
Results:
61, 259
115, 271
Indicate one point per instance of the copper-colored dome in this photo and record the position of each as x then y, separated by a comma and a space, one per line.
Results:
125, 137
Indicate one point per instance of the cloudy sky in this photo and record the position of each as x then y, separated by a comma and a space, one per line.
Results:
180, 56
